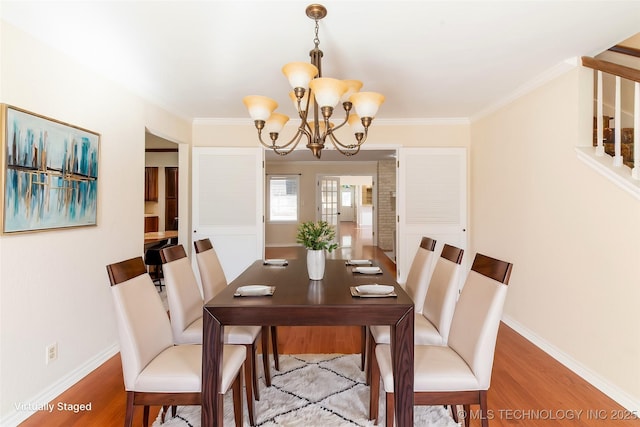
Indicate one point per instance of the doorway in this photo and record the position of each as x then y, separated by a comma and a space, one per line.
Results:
162, 156
347, 202
379, 164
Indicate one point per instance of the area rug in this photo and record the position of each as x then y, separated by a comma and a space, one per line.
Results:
312, 390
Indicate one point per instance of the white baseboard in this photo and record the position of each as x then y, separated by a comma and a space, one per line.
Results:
282, 245
15, 417
614, 392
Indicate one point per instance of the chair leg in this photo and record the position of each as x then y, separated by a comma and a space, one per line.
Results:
266, 366
157, 269
371, 345
128, 418
363, 348
454, 412
220, 409
145, 416
484, 408
374, 390
248, 380
254, 371
274, 348
236, 388
467, 414
391, 410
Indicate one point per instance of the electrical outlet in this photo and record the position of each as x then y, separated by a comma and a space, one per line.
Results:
51, 352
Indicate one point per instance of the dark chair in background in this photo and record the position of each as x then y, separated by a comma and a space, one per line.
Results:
153, 260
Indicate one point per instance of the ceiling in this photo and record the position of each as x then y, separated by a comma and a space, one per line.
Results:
432, 59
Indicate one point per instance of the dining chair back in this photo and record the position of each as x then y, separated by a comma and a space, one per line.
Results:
211, 273
459, 373
155, 371
419, 272
183, 296
433, 325
474, 328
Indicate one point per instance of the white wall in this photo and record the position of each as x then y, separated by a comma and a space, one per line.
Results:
53, 285
571, 234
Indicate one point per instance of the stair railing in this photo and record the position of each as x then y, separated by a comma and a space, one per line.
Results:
620, 72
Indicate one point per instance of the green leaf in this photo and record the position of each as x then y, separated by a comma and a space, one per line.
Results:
316, 235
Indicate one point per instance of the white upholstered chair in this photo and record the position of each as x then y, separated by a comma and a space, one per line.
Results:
431, 327
155, 371
213, 281
416, 286
186, 310
211, 273
183, 296
459, 373
420, 272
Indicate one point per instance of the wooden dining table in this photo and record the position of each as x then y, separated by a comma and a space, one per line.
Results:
298, 301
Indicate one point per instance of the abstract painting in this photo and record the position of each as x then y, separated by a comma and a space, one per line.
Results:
50, 173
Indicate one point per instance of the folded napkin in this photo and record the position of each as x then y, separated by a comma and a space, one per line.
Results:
359, 262
367, 270
275, 261
254, 290
375, 289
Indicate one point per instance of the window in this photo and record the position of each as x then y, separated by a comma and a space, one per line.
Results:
284, 198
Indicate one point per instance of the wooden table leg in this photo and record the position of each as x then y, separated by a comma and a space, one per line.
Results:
212, 345
402, 357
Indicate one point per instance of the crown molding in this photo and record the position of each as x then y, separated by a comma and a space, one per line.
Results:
536, 82
434, 121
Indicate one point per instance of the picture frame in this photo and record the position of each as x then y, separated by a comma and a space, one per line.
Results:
49, 173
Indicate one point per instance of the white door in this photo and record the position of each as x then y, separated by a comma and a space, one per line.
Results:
347, 203
228, 204
329, 201
432, 202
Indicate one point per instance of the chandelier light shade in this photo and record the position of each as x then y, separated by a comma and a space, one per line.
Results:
327, 91
366, 103
276, 122
315, 97
299, 73
260, 107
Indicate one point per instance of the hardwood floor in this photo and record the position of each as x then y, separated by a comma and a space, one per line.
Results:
529, 388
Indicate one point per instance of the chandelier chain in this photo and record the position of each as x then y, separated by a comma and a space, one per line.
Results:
316, 39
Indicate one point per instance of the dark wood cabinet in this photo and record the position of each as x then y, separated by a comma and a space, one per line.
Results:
171, 198
150, 224
151, 184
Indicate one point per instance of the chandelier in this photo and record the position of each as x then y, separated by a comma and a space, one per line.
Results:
315, 98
